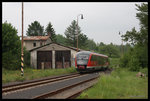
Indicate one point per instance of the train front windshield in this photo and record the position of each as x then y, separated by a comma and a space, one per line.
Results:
82, 59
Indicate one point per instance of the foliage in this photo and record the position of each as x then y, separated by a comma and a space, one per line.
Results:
26, 58
134, 63
82, 41
10, 61
131, 36
120, 84
114, 62
50, 31
140, 37
124, 60
10, 40
143, 15
35, 29
91, 44
60, 39
71, 36
137, 57
109, 50
11, 47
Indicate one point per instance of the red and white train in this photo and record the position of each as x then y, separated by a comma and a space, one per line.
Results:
89, 61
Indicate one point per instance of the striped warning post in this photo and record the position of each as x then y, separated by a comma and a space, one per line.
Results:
22, 65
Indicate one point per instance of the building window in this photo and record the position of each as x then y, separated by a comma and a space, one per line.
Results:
34, 44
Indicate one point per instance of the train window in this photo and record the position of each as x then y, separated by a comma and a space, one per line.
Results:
83, 56
82, 59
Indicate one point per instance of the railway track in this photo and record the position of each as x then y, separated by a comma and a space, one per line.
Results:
74, 90
59, 93
21, 86
60, 87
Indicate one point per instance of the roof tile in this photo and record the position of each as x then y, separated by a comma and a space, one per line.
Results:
35, 37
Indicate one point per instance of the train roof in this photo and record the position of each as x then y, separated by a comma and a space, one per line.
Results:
88, 52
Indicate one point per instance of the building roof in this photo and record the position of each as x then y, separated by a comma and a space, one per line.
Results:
73, 48
35, 38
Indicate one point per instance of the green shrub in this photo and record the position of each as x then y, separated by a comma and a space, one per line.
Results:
134, 64
124, 60
26, 58
11, 47
136, 58
10, 61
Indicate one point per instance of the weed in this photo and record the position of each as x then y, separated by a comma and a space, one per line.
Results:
121, 84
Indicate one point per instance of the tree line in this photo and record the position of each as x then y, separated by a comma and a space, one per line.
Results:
70, 39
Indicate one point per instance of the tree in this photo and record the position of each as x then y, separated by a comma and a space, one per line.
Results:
10, 40
138, 55
71, 36
101, 44
11, 47
60, 39
50, 31
109, 50
35, 29
91, 44
142, 15
140, 37
82, 41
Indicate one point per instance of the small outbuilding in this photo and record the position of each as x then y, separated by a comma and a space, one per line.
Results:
52, 55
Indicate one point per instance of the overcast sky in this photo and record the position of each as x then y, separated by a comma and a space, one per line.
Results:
102, 20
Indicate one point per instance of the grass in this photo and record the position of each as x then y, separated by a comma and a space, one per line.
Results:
114, 62
29, 74
121, 84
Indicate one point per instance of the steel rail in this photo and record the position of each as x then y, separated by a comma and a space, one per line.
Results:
37, 82
52, 93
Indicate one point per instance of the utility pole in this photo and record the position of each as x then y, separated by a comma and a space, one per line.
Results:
22, 60
77, 29
77, 33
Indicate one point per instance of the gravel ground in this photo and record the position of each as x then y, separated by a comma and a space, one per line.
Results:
30, 93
